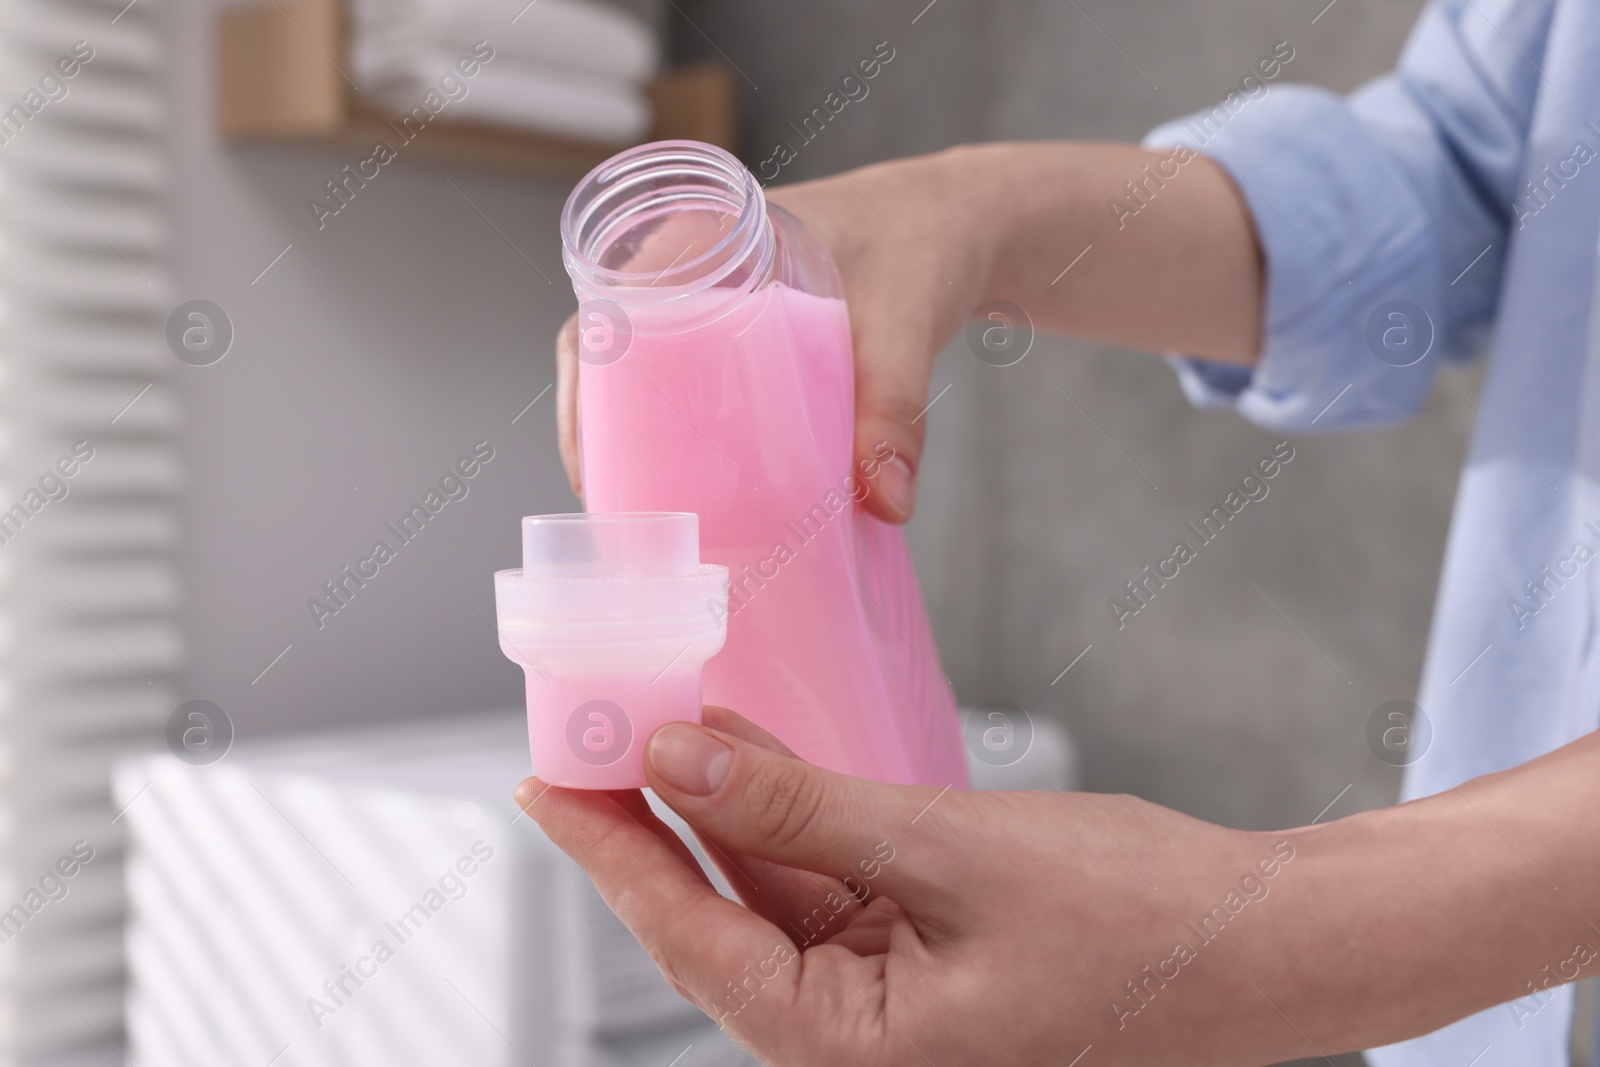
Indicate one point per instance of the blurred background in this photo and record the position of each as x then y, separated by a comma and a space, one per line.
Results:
365, 349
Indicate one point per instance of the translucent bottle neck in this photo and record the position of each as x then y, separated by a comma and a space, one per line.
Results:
664, 221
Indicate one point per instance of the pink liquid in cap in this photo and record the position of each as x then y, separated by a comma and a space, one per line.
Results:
612, 617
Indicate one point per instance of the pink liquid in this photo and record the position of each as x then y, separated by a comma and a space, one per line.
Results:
587, 727
747, 419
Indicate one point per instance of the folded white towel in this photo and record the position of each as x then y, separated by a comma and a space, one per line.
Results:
577, 35
503, 92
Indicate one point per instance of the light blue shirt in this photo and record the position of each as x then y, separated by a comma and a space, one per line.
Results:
1466, 184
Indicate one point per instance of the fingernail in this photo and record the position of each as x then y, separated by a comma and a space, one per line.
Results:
689, 759
898, 486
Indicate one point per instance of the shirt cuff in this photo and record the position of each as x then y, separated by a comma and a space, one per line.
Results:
1349, 272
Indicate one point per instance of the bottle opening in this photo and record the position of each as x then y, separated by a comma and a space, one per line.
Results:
657, 222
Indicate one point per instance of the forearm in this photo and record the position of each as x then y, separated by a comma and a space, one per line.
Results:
1174, 265
1403, 919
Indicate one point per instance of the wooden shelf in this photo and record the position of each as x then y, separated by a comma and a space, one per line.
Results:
277, 83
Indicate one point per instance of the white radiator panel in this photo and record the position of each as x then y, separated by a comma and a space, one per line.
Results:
89, 640
256, 880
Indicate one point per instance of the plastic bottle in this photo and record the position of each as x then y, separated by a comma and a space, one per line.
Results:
612, 617
716, 376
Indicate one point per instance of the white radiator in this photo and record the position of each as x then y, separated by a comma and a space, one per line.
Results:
88, 597
263, 886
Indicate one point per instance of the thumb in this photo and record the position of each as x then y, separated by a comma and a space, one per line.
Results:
784, 810
891, 402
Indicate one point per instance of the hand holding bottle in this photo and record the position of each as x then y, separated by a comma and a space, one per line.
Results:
921, 242
910, 285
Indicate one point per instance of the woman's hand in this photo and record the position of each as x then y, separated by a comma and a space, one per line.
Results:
902, 925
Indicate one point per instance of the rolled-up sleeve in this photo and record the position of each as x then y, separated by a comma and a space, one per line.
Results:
1383, 217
